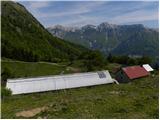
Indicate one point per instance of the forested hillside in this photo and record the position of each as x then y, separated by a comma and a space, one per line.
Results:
24, 38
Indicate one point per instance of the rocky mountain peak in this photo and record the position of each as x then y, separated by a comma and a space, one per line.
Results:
116, 39
89, 26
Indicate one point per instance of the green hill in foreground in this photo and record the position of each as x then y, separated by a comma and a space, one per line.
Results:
138, 99
24, 38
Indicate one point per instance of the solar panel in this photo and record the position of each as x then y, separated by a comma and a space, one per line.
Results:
101, 75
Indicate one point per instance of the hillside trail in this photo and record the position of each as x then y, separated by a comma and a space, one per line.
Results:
34, 62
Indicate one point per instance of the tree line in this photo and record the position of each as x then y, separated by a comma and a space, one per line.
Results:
126, 60
95, 60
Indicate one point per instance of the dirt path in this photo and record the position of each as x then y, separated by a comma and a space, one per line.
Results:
30, 113
32, 62
73, 69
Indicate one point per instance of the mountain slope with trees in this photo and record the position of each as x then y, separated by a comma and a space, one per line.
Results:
24, 38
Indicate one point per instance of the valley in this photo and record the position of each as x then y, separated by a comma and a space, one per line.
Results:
31, 50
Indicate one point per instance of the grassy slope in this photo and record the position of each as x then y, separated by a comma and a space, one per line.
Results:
138, 99
24, 69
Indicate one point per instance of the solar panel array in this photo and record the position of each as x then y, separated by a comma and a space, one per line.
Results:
101, 75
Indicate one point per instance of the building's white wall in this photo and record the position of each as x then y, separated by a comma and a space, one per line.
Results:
32, 85
147, 67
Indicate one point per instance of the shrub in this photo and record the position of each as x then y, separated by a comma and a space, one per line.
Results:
5, 75
144, 60
154, 114
5, 92
93, 60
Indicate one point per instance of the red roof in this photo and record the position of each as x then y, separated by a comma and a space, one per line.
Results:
135, 72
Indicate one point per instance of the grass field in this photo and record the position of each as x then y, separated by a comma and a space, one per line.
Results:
32, 69
138, 99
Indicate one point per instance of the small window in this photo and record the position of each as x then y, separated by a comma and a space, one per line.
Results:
101, 75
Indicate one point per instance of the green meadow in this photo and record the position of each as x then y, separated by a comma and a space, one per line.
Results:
137, 99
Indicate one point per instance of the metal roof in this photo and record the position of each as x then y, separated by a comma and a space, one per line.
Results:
147, 67
40, 84
135, 72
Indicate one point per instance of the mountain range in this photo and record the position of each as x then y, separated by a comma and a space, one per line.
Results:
24, 38
132, 40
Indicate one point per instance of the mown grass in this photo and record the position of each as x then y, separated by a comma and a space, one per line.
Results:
138, 99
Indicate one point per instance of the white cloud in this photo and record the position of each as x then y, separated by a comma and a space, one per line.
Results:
75, 10
78, 13
131, 17
38, 5
81, 20
136, 16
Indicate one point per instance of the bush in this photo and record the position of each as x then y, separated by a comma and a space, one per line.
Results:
144, 60
5, 75
154, 114
110, 58
129, 60
5, 92
93, 60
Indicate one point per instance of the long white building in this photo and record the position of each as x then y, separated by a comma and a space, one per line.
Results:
57, 82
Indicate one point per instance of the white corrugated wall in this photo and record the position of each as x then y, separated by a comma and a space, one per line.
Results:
31, 85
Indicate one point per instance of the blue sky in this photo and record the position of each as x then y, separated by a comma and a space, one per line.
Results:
79, 13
